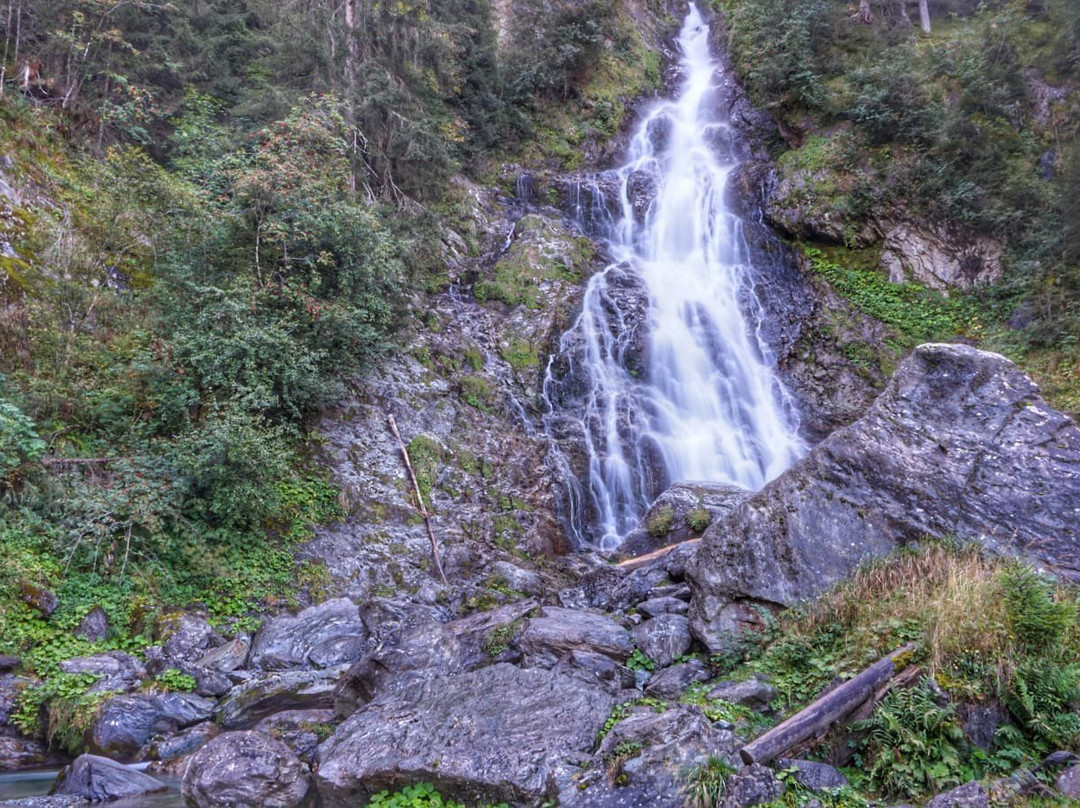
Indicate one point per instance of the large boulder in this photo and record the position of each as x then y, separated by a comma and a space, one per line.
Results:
99, 779
320, 636
249, 703
959, 444
126, 723
643, 759
680, 513
663, 639
247, 768
559, 631
499, 734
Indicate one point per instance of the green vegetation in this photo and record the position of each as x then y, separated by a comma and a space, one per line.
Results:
974, 125
704, 785
660, 523
986, 631
698, 519
421, 795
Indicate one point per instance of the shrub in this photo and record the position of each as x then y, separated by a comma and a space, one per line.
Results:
661, 522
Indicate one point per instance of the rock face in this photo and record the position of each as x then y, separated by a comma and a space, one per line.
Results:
960, 443
493, 735
320, 636
117, 671
682, 512
245, 769
99, 779
940, 257
126, 723
249, 703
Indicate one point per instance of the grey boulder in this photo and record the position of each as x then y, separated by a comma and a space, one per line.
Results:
959, 444
498, 734
99, 779
664, 638
245, 770
751, 785
126, 723
559, 631
813, 775
249, 703
680, 513
320, 636
671, 682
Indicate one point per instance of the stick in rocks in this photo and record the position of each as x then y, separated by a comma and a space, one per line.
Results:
419, 499
826, 711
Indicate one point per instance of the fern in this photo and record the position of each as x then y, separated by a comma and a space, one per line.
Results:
1038, 695
913, 743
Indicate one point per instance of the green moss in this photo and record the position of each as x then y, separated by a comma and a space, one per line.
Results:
477, 392
520, 354
427, 461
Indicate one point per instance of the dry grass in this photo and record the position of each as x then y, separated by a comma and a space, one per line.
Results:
950, 597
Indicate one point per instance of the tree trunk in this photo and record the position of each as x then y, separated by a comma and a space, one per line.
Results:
866, 14
924, 15
834, 706
904, 16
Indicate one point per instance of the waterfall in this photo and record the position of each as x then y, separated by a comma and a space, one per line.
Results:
666, 367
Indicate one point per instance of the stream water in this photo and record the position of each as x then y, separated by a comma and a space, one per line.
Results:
683, 388
37, 782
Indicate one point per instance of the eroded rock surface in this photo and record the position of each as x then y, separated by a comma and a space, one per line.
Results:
497, 734
959, 444
245, 769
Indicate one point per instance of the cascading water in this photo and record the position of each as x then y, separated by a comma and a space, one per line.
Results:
674, 379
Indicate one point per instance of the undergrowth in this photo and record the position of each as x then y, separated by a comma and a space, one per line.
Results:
986, 631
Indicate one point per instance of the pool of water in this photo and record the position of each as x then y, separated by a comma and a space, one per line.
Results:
37, 782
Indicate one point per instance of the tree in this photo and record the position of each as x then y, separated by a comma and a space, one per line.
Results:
924, 16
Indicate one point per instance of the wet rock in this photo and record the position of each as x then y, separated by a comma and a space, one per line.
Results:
559, 631
249, 703
1068, 783
116, 670
751, 785
186, 636
325, 635
16, 750
125, 724
657, 606
970, 795
99, 779
671, 682
94, 627
596, 669
245, 769
752, 693
228, 657
641, 188
55, 801
813, 775
300, 730
959, 444
420, 646
492, 735
9, 663
491, 636
663, 639
184, 742
680, 513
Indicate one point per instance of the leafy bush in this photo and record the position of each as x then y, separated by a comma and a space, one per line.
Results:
20, 445
422, 795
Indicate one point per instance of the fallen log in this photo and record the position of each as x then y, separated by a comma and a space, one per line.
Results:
631, 564
834, 706
419, 500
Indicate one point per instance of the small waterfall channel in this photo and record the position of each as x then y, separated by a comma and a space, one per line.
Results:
666, 369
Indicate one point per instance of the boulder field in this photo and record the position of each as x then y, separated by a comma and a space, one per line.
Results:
589, 694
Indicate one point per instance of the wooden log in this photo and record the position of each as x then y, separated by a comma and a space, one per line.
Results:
826, 711
634, 562
419, 500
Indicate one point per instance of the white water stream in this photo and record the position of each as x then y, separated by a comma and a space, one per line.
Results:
702, 402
